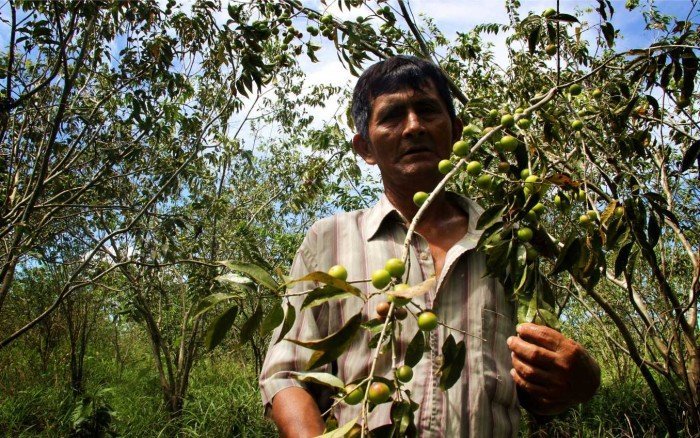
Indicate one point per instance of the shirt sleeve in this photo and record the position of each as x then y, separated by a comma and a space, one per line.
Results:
284, 358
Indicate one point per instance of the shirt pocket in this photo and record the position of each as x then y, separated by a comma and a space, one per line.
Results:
499, 385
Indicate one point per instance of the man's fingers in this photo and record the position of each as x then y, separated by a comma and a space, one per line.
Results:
540, 335
532, 373
534, 389
531, 353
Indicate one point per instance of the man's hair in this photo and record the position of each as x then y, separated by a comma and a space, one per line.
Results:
391, 75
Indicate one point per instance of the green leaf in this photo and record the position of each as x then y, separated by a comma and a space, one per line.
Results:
324, 278
331, 347
288, 322
322, 378
533, 39
653, 230
251, 325
322, 294
546, 317
218, 328
415, 350
254, 271
566, 18
490, 216
453, 356
208, 302
401, 418
568, 256
622, 257
608, 33
341, 431
272, 319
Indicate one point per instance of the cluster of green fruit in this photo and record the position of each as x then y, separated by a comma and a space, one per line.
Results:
380, 391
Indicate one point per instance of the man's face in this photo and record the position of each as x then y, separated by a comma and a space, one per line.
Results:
410, 131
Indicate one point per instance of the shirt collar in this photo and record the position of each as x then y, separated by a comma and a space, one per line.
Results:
384, 211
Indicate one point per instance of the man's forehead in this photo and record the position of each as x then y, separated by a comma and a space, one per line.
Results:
425, 90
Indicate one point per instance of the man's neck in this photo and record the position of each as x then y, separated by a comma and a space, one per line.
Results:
439, 212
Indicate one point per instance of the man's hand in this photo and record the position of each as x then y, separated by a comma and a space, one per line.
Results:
551, 371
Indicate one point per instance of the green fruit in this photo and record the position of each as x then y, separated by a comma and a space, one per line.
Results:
493, 113
486, 130
427, 321
531, 216
327, 19
404, 373
524, 173
445, 166
355, 394
592, 214
484, 181
577, 125
509, 143
575, 89
531, 253
531, 183
507, 121
339, 272
395, 267
471, 130
584, 219
312, 30
619, 212
381, 278
550, 49
461, 148
524, 123
378, 393
581, 196
519, 110
549, 12
503, 166
538, 208
474, 168
597, 93
399, 301
419, 198
525, 234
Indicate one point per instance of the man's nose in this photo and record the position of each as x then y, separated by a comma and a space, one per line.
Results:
414, 125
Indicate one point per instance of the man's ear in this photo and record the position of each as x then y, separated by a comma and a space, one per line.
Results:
364, 149
457, 126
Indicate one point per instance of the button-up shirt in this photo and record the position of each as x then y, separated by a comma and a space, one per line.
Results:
483, 402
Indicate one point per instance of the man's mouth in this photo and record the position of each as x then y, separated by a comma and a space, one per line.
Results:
417, 150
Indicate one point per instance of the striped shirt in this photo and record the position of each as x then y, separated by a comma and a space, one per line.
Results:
483, 402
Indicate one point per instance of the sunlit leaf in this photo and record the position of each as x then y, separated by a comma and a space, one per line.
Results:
254, 271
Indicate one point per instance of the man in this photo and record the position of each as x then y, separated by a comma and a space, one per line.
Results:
403, 110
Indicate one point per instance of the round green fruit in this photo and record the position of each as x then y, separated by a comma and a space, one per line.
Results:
503, 167
619, 212
493, 113
474, 168
378, 393
531, 216
550, 49
531, 254
531, 183
460, 148
404, 373
507, 120
427, 321
524, 123
538, 208
445, 166
339, 272
355, 394
486, 130
327, 19
471, 130
509, 143
575, 89
592, 214
549, 12
581, 195
597, 93
577, 125
484, 181
524, 173
525, 234
419, 198
519, 110
395, 267
584, 219
381, 278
